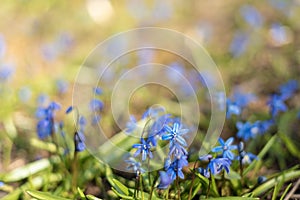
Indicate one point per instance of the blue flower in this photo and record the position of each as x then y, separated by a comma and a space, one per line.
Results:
216, 165
220, 99
2, 47
246, 158
251, 15
243, 99
279, 34
62, 86
288, 89
232, 109
261, 179
276, 104
225, 148
204, 172
69, 109
175, 168
45, 126
135, 166
98, 91
6, 72
96, 105
143, 148
247, 130
265, 125
239, 44
174, 134
156, 129
177, 150
79, 140
131, 125
165, 180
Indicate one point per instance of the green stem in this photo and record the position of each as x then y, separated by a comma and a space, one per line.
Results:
193, 179
178, 187
74, 171
141, 185
152, 187
209, 185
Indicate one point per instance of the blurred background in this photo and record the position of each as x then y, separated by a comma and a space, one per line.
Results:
255, 44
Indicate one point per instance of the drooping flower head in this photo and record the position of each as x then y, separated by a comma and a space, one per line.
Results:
134, 165
45, 126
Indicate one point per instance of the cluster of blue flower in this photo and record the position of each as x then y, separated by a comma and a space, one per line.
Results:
165, 128
47, 126
170, 129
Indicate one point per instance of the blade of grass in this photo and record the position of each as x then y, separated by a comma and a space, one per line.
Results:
261, 154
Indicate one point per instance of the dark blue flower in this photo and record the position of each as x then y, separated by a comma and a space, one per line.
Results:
174, 134
98, 91
225, 148
288, 89
276, 105
45, 126
165, 180
69, 109
217, 164
79, 140
204, 172
261, 179
143, 148
175, 168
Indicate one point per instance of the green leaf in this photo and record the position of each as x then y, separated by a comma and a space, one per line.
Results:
262, 153
293, 149
120, 194
28, 170
233, 198
81, 194
285, 191
214, 188
34, 183
44, 195
91, 197
120, 187
286, 176
232, 175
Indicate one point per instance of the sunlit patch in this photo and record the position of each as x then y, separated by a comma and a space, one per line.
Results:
101, 11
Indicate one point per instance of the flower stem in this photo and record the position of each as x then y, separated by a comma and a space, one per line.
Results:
178, 187
209, 185
74, 171
193, 179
